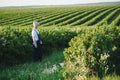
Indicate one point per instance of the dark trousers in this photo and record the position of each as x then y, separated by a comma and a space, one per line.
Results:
37, 52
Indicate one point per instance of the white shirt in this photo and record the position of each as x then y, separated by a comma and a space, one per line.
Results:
34, 34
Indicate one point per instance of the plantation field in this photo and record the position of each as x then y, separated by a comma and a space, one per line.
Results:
79, 43
73, 16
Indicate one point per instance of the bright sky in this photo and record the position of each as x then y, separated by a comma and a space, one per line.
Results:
47, 2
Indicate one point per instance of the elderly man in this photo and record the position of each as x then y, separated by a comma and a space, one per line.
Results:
36, 42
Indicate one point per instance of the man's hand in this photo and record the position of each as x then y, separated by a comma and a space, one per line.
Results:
40, 42
35, 45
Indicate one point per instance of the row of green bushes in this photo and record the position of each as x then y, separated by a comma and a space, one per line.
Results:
14, 45
92, 51
95, 51
16, 42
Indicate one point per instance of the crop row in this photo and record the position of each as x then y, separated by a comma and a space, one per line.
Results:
99, 17
85, 16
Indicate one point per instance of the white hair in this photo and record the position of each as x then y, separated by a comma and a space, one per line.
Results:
35, 23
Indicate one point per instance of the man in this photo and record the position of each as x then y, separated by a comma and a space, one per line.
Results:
36, 42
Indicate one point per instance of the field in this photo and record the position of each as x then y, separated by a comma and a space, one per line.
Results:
61, 16
79, 42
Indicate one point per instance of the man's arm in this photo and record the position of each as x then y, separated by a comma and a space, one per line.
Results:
40, 42
34, 41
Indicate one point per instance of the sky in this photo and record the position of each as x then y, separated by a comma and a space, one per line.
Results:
4, 3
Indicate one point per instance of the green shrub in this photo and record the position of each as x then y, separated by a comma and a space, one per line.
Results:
16, 42
93, 52
15, 45
56, 37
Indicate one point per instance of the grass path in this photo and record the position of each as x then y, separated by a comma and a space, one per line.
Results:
49, 69
36, 70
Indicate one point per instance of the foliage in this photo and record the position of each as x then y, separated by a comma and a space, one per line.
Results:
72, 15
93, 52
16, 42
108, 77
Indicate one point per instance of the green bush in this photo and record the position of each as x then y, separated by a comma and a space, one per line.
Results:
15, 45
56, 37
16, 42
93, 52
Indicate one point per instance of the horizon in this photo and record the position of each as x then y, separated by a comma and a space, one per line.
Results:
15, 3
